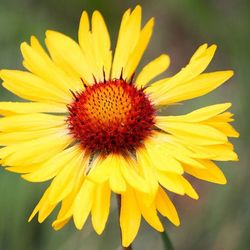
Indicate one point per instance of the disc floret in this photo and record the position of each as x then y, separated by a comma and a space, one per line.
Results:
111, 116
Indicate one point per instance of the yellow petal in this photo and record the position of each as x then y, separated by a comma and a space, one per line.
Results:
101, 42
196, 87
96, 44
54, 165
127, 39
101, 206
84, 35
74, 81
171, 182
194, 133
149, 212
35, 44
13, 108
44, 208
198, 63
166, 207
199, 52
139, 49
224, 127
146, 169
34, 151
153, 69
116, 180
23, 169
188, 160
70, 79
87, 45
17, 137
212, 173
70, 52
42, 66
83, 203
173, 145
161, 159
130, 217
58, 224
109, 169
199, 115
222, 152
130, 173
31, 87
178, 149
30, 122
100, 169
189, 190
224, 117
66, 210
66, 179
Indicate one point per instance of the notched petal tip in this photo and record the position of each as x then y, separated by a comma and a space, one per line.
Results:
33, 40
210, 50
137, 8
213, 47
23, 47
151, 22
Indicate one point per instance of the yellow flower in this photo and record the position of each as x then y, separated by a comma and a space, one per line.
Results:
93, 128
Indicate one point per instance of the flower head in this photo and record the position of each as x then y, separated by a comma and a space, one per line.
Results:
92, 126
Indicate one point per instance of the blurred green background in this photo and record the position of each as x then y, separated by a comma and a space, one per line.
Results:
220, 219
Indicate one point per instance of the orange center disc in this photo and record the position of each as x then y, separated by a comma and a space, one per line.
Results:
112, 116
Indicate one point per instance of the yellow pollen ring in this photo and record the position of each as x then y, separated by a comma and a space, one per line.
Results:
109, 104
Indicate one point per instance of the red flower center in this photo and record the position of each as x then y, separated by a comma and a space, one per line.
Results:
112, 116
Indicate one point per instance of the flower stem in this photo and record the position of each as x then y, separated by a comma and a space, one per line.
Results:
166, 241
118, 196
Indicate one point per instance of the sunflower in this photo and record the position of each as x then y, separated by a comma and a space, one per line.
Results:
92, 127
